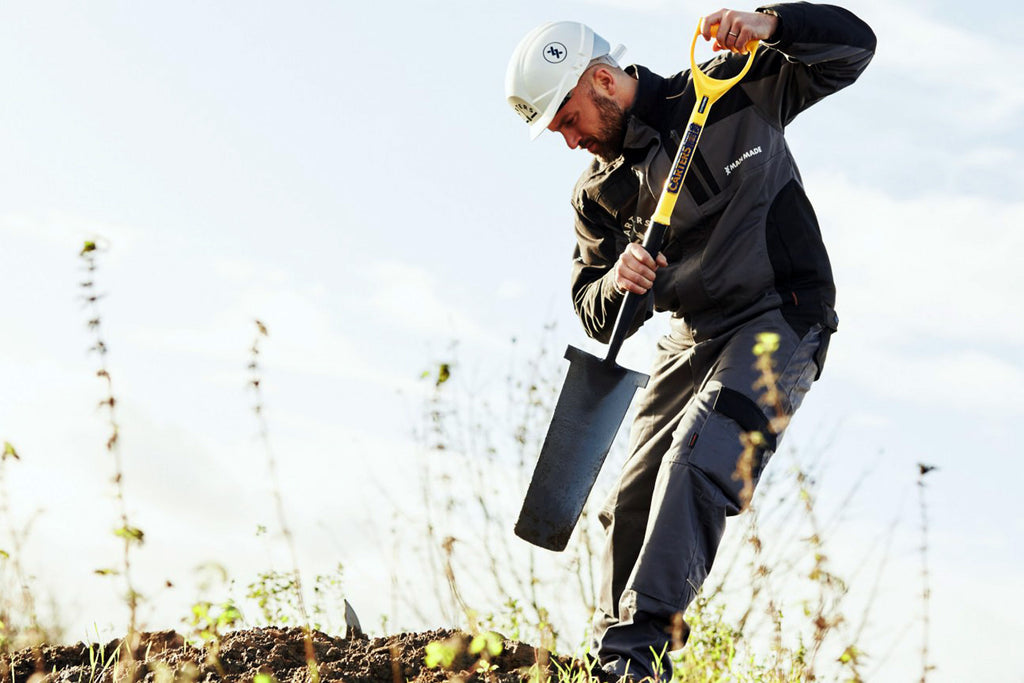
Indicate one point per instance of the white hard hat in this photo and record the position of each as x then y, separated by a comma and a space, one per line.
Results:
547, 64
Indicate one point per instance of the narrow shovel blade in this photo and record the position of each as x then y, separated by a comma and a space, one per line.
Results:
594, 399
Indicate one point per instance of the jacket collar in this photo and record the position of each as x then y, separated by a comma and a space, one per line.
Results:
641, 116
649, 85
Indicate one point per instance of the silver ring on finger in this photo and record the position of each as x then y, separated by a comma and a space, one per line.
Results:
734, 34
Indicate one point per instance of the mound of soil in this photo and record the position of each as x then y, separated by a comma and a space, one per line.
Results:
165, 657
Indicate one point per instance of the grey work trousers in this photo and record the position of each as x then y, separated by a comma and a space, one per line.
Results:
665, 517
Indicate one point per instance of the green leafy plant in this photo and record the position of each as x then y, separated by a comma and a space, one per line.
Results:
442, 653
482, 647
274, 594
210, 622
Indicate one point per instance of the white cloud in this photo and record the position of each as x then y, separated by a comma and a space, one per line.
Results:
977, 383
989, 157
928, 267
410, 297
511, 289
920, 45
927, 289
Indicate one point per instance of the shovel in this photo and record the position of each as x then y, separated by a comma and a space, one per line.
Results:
597, 393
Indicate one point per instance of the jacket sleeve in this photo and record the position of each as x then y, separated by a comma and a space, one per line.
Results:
816, 50
598, 245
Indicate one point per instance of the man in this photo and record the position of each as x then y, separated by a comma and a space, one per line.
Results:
743, 257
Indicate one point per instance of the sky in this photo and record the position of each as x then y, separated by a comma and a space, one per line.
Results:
352, 177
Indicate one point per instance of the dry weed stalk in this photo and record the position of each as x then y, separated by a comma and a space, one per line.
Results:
747, 471
760, 575
130, 535
754, 442
14, 636
825, 616
27, 606
926, 591
255, 383
447, 547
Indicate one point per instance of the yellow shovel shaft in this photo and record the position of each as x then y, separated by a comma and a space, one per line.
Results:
708, 90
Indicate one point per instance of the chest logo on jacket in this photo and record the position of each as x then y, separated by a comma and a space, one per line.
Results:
746, 155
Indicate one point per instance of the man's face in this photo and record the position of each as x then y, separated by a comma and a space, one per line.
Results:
591, 120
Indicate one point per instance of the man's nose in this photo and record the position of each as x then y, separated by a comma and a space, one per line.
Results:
571, 138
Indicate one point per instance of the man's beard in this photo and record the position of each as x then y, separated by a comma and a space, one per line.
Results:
608, 141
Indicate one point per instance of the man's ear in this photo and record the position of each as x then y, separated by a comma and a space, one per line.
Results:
604, 81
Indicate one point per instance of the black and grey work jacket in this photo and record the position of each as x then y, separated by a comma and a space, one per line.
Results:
743, 237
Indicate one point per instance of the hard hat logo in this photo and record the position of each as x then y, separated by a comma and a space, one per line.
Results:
555, 52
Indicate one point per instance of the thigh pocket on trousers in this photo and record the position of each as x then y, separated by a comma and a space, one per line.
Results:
733, 444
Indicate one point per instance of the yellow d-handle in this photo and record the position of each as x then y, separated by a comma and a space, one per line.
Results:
713, 88
708, 91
